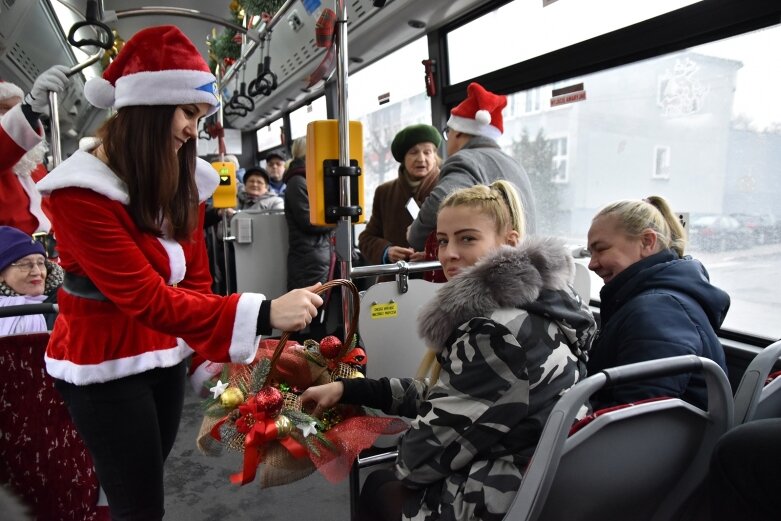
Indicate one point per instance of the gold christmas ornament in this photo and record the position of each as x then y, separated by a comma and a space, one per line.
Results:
356, 374
232, 398
284, 426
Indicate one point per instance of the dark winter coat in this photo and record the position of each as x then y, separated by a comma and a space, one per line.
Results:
309, 246
480, 162
511, 336
390, 219
659, 307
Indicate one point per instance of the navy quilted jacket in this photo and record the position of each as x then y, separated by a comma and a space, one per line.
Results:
659, 307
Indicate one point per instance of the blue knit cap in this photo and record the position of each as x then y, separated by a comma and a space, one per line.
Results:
15, 244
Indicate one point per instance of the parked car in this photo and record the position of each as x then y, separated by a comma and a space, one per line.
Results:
763, 228
718, 233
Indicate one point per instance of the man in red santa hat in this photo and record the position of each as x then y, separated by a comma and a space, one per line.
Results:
22, 151
474, 158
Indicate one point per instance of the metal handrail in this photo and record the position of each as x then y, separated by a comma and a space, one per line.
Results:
400, 267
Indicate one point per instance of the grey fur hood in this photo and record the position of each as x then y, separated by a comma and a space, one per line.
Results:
511, 277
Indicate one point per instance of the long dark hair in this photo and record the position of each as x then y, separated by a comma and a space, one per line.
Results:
138, 142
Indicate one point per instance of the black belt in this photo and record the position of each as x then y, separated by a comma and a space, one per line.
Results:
81, 286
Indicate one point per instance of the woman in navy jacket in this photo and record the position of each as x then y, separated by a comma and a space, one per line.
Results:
656, 302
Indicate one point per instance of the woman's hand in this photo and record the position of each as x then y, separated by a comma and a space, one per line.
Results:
397, 253
322, 397
295, 309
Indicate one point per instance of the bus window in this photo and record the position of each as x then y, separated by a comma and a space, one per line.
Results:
538, 30
270, 136
407, 104
300, 117
701, 127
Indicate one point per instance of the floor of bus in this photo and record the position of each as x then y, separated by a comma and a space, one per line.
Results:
197, 487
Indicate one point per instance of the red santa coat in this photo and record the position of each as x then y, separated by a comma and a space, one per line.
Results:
159, 304
20, 202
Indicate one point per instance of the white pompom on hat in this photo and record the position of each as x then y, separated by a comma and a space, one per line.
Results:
9, 90
157, 66
480, 114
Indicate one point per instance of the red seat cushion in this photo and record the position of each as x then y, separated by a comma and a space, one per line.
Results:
596, 414
772, 376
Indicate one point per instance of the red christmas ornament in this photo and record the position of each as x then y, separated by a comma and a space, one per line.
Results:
330, 347
270, 401
228, 61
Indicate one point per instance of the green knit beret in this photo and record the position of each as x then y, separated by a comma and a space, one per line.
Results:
410, 136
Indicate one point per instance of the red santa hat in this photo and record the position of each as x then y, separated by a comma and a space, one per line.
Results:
9, 90
157, 66
480, 114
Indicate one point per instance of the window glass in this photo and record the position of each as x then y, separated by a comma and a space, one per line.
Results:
543, 30
301, 117
270, 136
406, 104
700, 127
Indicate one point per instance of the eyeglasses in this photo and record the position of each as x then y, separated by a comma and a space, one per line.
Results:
29, 266
445, 130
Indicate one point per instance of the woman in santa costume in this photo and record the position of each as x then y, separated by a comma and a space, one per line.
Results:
22, 150
136, 299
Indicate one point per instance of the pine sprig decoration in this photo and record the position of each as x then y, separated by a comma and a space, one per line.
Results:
228, 431
299, 417
256, 7
259, 375
213, 406
224, 46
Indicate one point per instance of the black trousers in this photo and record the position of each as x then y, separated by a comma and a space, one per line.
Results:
744, 479
383, 497
129, 426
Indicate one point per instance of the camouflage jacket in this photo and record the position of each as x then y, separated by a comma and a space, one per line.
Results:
512, 336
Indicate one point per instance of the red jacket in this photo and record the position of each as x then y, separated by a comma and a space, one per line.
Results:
20, 203
159, 305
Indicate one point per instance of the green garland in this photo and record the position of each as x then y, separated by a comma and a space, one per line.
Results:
256, 7
225, 47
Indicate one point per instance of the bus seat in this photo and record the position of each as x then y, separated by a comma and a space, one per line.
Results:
641, 462
388, 323
755, 398
44, 460
260, 252
582, 282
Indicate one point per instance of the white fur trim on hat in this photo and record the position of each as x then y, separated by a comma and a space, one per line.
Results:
9, 90
474, 126
168, 87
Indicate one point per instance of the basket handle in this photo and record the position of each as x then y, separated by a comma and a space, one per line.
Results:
351, 328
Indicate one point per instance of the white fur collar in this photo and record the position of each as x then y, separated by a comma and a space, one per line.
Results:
83, 170
507, 278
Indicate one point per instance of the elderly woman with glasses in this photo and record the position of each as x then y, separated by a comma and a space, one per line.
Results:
26, 277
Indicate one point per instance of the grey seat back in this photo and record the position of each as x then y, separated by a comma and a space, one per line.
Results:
641, 463
389, 327
260, 252
754, 400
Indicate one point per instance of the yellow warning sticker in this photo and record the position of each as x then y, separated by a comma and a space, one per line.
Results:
389, 310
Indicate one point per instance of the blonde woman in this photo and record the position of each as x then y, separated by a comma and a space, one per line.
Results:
510, 335
655, 303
